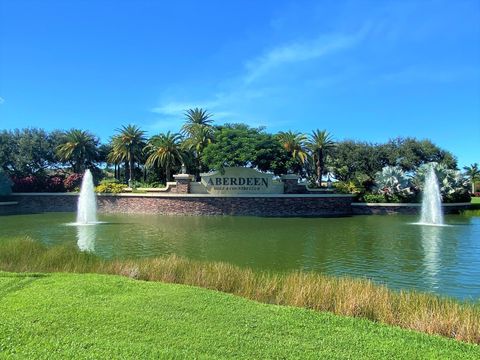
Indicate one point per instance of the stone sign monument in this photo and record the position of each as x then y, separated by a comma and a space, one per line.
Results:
240, 180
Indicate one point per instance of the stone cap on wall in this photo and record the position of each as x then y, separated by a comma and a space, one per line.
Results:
183, 177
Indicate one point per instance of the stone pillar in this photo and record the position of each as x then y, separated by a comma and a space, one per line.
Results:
183, 183
290, 184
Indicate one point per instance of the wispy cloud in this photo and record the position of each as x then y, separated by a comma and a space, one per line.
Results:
243, 91
2, 100
301, 51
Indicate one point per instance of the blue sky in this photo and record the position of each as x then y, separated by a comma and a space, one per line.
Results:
366, 70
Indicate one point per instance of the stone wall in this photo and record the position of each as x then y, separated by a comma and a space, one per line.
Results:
34, 203
190, 204
253, 206
171, 204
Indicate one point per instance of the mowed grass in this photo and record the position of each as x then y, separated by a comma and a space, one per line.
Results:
474, 207
85, 316
359, 298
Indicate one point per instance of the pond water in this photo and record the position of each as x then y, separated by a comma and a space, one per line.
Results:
386, 249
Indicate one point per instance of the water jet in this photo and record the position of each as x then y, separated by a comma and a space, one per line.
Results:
432, 200
87, 201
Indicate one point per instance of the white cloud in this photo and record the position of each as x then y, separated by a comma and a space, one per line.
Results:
322, 46
242, 92
2, 100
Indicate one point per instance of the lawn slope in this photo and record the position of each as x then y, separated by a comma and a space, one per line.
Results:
103, 316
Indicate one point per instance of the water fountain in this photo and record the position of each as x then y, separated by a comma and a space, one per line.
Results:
87, 201
432, 200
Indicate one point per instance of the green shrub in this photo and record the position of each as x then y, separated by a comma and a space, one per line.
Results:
457, 197
374, 198
107, 181
152, 184
349, 187
393, 183
110, 188
453, 185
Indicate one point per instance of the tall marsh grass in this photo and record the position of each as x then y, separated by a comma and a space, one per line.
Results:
340, 295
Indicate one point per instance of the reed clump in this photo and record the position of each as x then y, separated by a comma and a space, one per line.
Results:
340, 295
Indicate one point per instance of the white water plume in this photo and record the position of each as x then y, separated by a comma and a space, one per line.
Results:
87, 201
432, 201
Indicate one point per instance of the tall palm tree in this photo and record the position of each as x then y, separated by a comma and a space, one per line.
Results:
200, 137
320, 144
199, 133
165, 150
473, 173
195, 118
127, 146
294, 144
77, 147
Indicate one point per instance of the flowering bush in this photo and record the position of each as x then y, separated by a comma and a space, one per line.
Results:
73, 182
54, 184
27, 184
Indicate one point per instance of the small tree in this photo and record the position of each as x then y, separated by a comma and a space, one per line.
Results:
320, 144
164, 150
294, 145
127, 146
79, 148
473, 174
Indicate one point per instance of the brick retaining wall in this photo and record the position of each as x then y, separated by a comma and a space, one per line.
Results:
171, 204
189, 204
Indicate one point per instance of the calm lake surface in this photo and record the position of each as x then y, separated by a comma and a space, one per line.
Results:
386, 249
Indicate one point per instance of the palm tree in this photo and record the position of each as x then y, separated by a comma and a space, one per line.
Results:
473, 173
199, 132
294, 144
320, 143
200, 137
77, 147
195, 118
164, 150
127, 146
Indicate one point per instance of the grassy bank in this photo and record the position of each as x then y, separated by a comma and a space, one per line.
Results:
474, 208
342, 296
76, 316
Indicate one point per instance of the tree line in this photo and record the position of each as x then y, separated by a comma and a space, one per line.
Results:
201, 146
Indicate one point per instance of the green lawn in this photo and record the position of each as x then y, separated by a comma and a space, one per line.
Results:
476, 200
105, 316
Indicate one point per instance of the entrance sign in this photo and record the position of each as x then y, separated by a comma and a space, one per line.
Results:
240, 180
